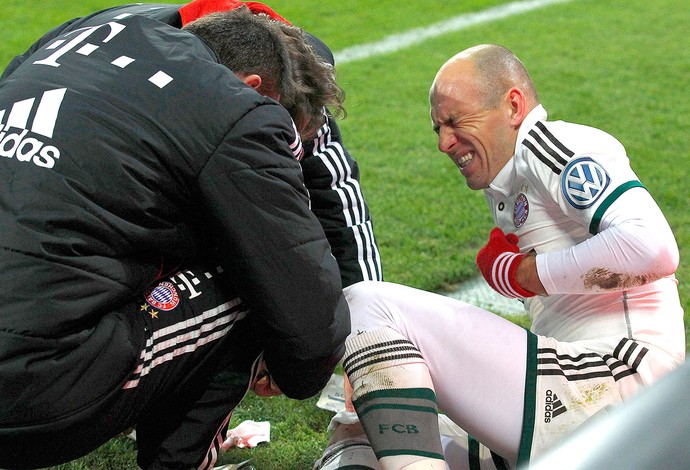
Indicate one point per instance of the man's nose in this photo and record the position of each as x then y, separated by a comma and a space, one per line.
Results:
446, 140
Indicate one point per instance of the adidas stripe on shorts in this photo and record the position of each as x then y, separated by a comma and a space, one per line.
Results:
568, 383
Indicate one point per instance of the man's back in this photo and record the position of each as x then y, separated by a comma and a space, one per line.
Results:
98, 156
128, 151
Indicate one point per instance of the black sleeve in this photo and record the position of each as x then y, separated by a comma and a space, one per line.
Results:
332, 177
281, 260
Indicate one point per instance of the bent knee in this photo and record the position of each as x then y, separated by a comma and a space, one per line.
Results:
372, 305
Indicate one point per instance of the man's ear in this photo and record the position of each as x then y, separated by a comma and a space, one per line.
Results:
253, 80
518, 106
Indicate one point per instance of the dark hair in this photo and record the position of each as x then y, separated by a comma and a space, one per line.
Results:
247, 44
316, 87
250, 43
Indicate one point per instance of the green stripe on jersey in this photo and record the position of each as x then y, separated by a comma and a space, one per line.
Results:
610, 199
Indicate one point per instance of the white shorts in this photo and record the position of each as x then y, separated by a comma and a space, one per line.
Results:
568, 383
517, 393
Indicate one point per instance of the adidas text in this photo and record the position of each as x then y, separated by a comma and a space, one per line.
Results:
39, 118
27, 149
554, 407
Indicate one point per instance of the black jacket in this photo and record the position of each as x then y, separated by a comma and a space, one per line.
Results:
331, 174
127, 146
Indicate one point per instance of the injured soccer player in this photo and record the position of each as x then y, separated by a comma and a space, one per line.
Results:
577, 239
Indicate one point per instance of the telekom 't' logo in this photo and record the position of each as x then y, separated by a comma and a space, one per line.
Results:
63, 46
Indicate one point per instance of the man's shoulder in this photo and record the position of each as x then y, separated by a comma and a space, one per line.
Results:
164, 13
551, 145
320, 48
578, 138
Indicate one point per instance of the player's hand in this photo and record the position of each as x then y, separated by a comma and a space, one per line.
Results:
263, 385
266, 387
498, 261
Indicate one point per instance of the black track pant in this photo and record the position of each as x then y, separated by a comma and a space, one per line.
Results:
189, 354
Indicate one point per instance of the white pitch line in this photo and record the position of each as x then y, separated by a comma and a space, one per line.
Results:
414, 36
477, 292
474, 291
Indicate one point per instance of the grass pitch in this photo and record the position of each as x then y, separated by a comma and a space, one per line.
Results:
619, 65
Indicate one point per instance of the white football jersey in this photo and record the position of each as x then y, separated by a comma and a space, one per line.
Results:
570, 195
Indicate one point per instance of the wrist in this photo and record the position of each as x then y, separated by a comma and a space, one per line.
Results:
527, 275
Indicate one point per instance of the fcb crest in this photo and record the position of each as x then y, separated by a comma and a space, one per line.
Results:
583, 181
520, 210
163, 297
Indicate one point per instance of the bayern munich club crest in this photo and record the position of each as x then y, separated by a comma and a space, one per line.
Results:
520, 210
163, 297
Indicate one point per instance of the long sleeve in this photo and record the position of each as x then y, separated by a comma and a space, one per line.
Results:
280, 256
332, 177
634, 246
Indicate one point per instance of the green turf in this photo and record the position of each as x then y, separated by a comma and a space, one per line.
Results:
621, 65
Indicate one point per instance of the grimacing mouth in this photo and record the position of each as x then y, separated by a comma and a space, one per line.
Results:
463, 160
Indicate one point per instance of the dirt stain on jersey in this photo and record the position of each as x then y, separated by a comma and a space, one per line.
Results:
605, 279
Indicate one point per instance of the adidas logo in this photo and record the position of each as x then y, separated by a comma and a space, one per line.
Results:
21, 144
554, 407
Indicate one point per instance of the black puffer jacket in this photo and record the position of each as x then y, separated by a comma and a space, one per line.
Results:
125, 146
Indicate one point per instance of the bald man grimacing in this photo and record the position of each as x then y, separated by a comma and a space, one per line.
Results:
577, 239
